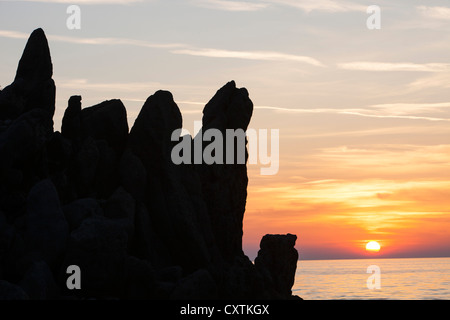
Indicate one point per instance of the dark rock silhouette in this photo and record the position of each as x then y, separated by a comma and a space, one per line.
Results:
277, 260
33, 86
112, 202
9, 291
46, 228
225, 186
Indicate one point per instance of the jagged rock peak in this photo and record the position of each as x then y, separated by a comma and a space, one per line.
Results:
112, 202
153, 127
230, 108
161, 112
33, 86
36, 63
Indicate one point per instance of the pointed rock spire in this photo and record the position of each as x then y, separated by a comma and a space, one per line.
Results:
36, 63
33, 86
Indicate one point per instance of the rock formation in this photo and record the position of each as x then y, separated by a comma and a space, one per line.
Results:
111, 201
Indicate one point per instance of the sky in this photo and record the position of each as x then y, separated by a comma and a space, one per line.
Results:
363, 115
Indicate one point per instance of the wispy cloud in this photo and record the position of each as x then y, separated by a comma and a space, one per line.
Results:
386, 160
320, 5
440, 13
389, 111
411, 108
93, 41
13, 34
304, 5
230, 5
389, 131
147, 87
436, 80
306, 110
85, 84
249, 55
176, 48
114, 41
389, 116
399, 66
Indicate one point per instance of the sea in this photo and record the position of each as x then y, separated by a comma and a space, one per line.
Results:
380, 279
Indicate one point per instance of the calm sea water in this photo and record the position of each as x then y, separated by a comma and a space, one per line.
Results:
400, 279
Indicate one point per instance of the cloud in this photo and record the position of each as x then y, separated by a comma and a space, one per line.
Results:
230, 5
114, 41
176, 48
436, 80
387, 116
404, 130
440, 13
93, 41
411, 108
407, 160
320, 5
400, 66
110, 86
300, 110
392, 111
129, 87
305, 5
249, 55
13, 34
308, 6
366, 202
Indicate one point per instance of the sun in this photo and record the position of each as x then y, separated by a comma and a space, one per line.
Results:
373, 246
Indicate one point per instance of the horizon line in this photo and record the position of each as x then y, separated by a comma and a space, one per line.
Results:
375, 258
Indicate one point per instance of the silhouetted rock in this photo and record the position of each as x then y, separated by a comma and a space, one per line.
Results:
241, 280
277, 260
224, 186
12, 249
107, 177
79, 210
9, 291
33, 86
39, 283
230, 108
83, 168
98, 135
140, 280
120, 205
71, 122
98, 247
133, 175
22, 148
35, 64
152, 130
167, 199
197, 286
46, 227
106, 121
115, 204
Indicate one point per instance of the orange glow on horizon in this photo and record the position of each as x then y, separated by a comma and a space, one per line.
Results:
330, 216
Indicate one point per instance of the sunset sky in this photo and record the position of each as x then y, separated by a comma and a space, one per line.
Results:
364, 115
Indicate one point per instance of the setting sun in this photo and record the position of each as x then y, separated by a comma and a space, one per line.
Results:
373, 246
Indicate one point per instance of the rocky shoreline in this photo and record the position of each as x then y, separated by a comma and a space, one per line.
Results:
109, 199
